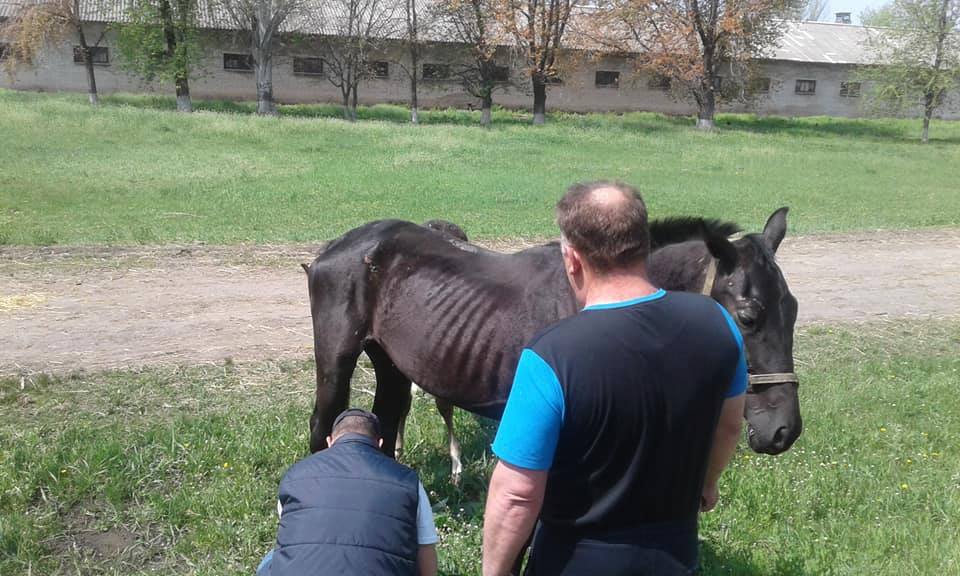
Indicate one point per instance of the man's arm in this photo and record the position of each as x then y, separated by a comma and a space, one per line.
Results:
724, 445
513, 504
427, 560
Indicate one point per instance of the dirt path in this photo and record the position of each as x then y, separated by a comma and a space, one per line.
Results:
64, 309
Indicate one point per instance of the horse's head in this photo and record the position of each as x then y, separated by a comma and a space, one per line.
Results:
749, 284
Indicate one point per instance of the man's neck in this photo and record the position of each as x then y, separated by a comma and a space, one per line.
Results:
613, 288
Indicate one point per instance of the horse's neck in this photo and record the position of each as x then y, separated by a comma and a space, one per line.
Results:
680, 266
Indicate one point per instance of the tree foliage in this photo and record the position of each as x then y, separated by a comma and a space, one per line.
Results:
537, 29
705, 48
916, 60
48, 22
472, 23
160, 40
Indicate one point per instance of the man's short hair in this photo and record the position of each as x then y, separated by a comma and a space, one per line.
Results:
609, 231
356, 421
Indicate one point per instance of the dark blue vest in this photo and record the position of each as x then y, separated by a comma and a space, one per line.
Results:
347, 510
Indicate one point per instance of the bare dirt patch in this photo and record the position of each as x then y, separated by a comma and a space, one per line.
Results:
94, 308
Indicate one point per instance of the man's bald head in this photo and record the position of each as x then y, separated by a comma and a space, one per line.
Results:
606, 222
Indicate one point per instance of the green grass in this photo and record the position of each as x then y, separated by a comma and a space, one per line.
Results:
134, 172
180, 467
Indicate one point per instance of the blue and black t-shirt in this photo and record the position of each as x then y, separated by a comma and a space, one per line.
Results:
621, 402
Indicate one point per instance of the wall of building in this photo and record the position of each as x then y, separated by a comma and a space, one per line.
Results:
578, 91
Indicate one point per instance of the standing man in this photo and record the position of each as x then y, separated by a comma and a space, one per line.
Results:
621, 418
350, 510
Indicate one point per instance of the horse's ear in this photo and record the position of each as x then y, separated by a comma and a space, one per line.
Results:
724, 251
775, 228
306, 267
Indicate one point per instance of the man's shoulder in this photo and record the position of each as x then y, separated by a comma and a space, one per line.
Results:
329, 461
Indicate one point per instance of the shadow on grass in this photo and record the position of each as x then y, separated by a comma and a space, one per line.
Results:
905, 130
715, 562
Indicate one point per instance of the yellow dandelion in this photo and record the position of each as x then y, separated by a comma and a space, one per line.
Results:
904, 486
909, 461
226, 464
882, 429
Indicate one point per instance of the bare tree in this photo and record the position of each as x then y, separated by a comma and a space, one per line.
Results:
472, 23
49, 22
414, 41
704, 48
262, 20
356, 29
537, 28
917, 59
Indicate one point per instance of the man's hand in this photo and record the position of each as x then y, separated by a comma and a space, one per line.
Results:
709, 498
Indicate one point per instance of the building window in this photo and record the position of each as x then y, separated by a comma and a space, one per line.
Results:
501, 74
718, 84
553, 80
606, 79
849, 89
806, 87
759, 86
436, 71
659, 82
99, 54
379, 69
238, 62
4, 48
308, 66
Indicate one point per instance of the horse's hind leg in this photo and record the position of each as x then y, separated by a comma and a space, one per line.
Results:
446, 410
392, 401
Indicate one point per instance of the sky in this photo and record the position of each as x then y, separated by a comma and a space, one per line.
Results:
855, 7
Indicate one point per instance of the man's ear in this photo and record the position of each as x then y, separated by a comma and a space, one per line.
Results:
329, 441
571, 260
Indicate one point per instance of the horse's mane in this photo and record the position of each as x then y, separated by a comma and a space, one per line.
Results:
678, 229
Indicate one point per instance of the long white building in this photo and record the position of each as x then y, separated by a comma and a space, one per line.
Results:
811, 72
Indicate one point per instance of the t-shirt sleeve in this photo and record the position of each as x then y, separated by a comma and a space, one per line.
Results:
739, 383
426, 530
530, 428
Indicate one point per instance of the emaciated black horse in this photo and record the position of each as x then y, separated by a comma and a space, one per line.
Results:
453, 317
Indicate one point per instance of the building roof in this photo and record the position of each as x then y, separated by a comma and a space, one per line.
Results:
816, 42
823, 42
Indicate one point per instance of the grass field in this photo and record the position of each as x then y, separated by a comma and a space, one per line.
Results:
174, 471
134, 172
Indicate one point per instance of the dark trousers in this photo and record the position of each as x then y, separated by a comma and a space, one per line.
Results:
556, 553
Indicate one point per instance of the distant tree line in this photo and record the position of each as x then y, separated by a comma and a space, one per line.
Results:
705, 50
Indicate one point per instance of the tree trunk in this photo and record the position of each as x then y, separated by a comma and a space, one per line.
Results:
707, 108
485, 110
346, 103
264, 72
539, 101
180, 81
927, 114
353, 105
184, 104
414, 103
88, 64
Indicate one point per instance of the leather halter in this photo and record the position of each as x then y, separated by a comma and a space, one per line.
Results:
753, 379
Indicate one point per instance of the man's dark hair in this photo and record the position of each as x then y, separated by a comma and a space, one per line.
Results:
356, 421
609, 231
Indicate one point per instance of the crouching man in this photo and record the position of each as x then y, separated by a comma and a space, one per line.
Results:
351, 510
